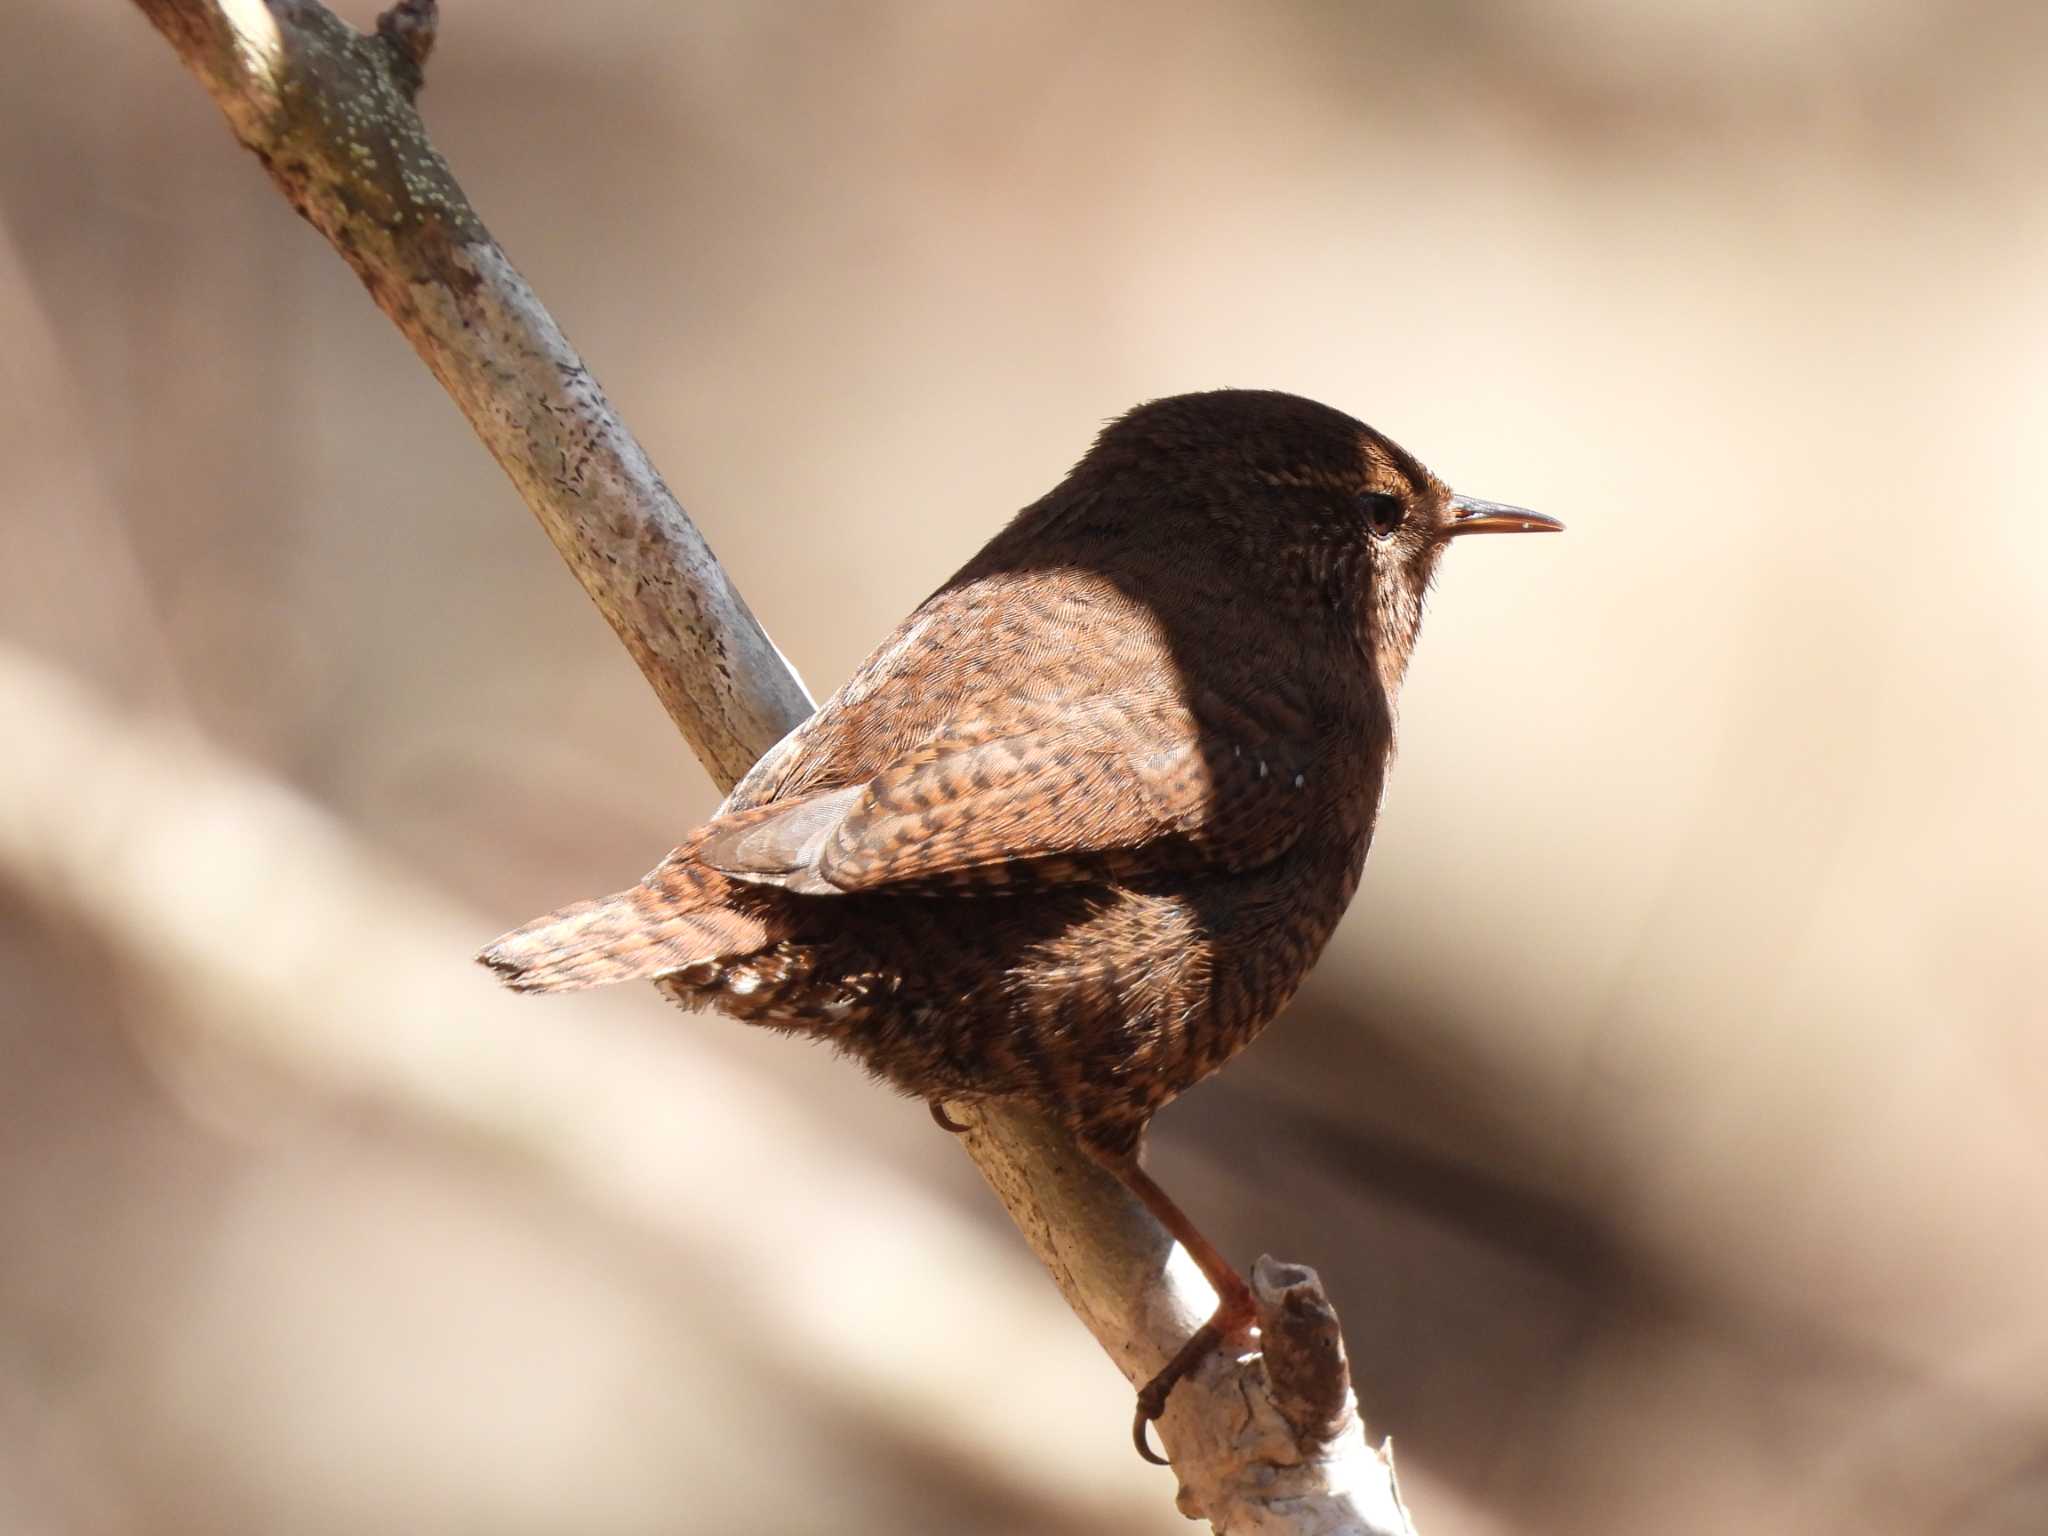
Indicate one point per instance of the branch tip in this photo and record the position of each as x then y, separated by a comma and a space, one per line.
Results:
408, 31
1304, 1348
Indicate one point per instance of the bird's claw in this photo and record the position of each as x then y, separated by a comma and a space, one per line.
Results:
1152, 1398
1149, 1408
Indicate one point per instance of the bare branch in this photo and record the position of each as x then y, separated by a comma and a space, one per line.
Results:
330, 114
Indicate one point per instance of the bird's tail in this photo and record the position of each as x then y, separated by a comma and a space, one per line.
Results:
677, 916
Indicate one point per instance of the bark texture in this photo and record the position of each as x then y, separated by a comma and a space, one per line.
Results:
1267, 1442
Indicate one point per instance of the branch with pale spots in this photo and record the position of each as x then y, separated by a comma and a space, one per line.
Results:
1265, 1442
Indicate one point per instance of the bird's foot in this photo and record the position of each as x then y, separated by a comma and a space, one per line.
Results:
945, 1121
1235, 1310
1231, 1318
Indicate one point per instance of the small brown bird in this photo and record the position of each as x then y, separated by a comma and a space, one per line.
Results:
1078, 829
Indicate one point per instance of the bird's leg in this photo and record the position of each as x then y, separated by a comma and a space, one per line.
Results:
945, 1121
1234, 1306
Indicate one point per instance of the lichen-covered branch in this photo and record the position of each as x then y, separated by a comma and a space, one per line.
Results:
330, 114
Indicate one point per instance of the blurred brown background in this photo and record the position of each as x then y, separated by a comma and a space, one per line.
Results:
1667, 1117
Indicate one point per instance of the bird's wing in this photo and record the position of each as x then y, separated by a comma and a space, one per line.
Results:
1115, 784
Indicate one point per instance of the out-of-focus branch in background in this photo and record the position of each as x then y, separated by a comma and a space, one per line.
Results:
276, 945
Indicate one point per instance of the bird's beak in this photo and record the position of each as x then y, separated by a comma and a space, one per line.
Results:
1470, 515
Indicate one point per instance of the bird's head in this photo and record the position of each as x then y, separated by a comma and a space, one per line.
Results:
1310, 505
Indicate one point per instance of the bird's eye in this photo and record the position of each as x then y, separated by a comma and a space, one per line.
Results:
1383, 513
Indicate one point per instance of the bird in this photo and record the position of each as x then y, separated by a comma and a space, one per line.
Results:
1075, 832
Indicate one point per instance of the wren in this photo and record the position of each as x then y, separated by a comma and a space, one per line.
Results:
1077, 830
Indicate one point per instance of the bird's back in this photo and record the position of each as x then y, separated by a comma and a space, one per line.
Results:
1099, 979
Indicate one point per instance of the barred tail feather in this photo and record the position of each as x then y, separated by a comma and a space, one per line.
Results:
673, 918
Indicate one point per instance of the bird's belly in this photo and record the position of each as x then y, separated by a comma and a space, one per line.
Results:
1098, 1003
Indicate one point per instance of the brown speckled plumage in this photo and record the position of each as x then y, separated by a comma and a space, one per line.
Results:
1077, 830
